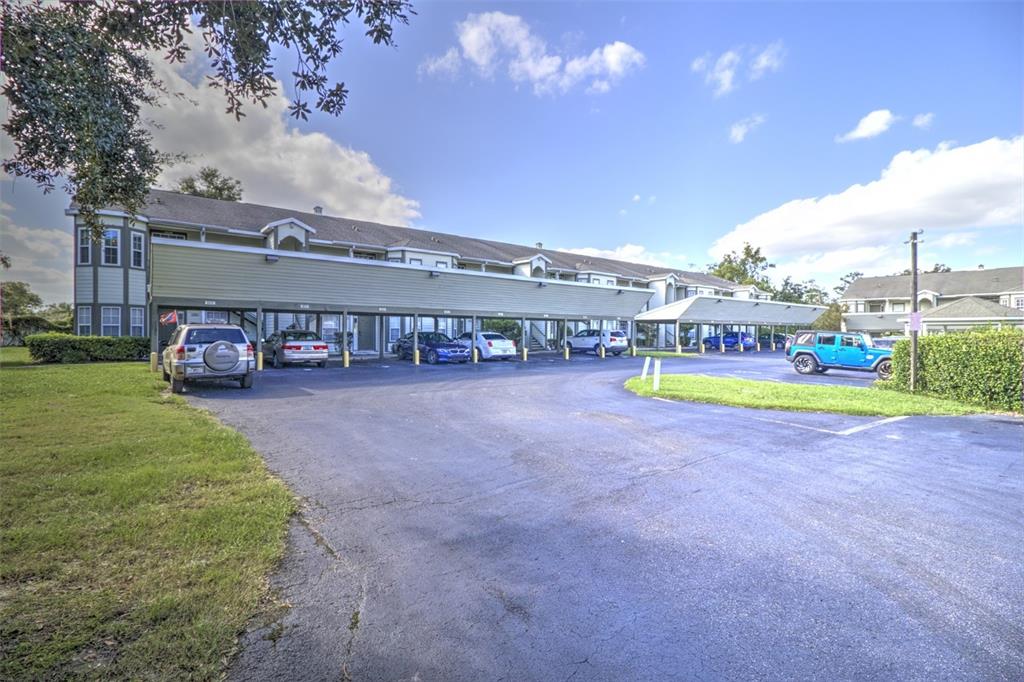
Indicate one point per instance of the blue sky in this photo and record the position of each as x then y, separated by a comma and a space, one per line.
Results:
476, 123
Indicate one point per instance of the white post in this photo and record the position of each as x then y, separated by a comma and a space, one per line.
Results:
657, 374
647, 366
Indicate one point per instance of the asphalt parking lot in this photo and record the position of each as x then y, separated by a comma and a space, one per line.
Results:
535, 522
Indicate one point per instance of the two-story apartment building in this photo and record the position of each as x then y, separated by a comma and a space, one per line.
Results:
948, 301
266, 268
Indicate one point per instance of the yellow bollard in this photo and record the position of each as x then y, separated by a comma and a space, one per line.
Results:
259, 361
679, 349
345, 358
415, 356
721, 346
476, 356
758, 346
526, 353
701, 347
565, 352
773, 345
152, 362
601, 350
632, 351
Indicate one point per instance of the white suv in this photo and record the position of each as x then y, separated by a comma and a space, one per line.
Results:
199, 352
614, 341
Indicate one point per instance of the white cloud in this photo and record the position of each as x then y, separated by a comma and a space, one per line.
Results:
651, 199
447, 65
722, 75
872, 125
623, 211
863, 227
767, 60
495, 40
738, 131
953, 239
634, 253
923, 121
636, 198
277, 163
40, 256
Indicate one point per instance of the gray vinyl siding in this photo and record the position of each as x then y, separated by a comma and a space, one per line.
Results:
137, 287
83, 284
183, 274
110, 285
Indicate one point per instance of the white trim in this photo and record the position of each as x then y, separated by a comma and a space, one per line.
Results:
948, 320
103, 246
131, 322
302, 255
286, 221
413, 248
78, 319
119, 320
530, 259
110, 214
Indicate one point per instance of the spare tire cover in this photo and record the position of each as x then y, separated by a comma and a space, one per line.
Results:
221, 356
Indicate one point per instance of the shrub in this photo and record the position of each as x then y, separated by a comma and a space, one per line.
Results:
983, 367
68, 348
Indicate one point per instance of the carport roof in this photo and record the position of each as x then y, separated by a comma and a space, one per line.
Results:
725, 310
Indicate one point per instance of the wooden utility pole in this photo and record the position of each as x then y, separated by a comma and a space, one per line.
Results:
913, 311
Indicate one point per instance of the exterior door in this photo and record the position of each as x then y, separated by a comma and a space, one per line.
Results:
826, 348
849, 353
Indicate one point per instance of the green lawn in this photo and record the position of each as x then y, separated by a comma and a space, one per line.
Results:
136, 533
795, 397
14, 356
664, 354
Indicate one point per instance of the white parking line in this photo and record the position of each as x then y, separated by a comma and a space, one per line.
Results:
845, 432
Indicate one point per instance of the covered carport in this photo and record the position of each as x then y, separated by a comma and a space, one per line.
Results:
722, 312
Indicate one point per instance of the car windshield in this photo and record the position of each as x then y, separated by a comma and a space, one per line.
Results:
495, 337
618, 333
436, 337
213, 335
299, 336
804, 339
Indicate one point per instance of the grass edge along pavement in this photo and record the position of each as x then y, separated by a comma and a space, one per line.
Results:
137, 533
770, 395
665, 354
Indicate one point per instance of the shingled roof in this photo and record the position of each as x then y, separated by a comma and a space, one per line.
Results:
200, 211
972, 308
956, 283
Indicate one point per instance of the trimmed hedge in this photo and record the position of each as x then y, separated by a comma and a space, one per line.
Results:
983, 367
68, 348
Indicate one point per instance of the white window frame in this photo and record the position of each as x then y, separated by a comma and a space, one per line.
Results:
141, 250
141, 325
898, 307
103, 320
84, 233
441, 264
1018, 302
84, 320
415, 261
104, 247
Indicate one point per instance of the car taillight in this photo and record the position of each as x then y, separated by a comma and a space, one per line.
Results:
490, 344
248, 351
179, 352
514, 344
289, 346
319, 347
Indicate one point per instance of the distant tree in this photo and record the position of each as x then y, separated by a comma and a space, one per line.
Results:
831, 319
209, 183
18, 299
78, 74
746, 267
845, 281
59, 314
5, 260
938, 267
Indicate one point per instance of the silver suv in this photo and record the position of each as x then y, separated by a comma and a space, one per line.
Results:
199, 352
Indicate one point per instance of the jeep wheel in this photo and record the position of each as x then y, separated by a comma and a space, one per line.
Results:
805, 364
177, 385
884, 370
246, 381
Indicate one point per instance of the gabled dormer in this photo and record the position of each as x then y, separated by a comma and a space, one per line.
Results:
288, 234
532, 266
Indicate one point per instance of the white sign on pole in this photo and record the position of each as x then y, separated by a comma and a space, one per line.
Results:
915, 322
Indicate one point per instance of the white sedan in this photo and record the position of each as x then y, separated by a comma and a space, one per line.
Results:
489, 345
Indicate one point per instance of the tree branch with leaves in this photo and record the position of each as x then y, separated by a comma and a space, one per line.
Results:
79, 73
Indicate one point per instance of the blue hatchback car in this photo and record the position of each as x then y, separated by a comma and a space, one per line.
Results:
732, 340
434, 347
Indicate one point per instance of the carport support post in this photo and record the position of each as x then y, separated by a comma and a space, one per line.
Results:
565, 338
679, 341
472, 341
632, 338
259, 338
700, 338
721, 338
526, 351
345, 357
739, 338
415, 339
771, 337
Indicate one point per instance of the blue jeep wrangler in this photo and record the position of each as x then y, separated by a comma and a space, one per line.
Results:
817, 352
